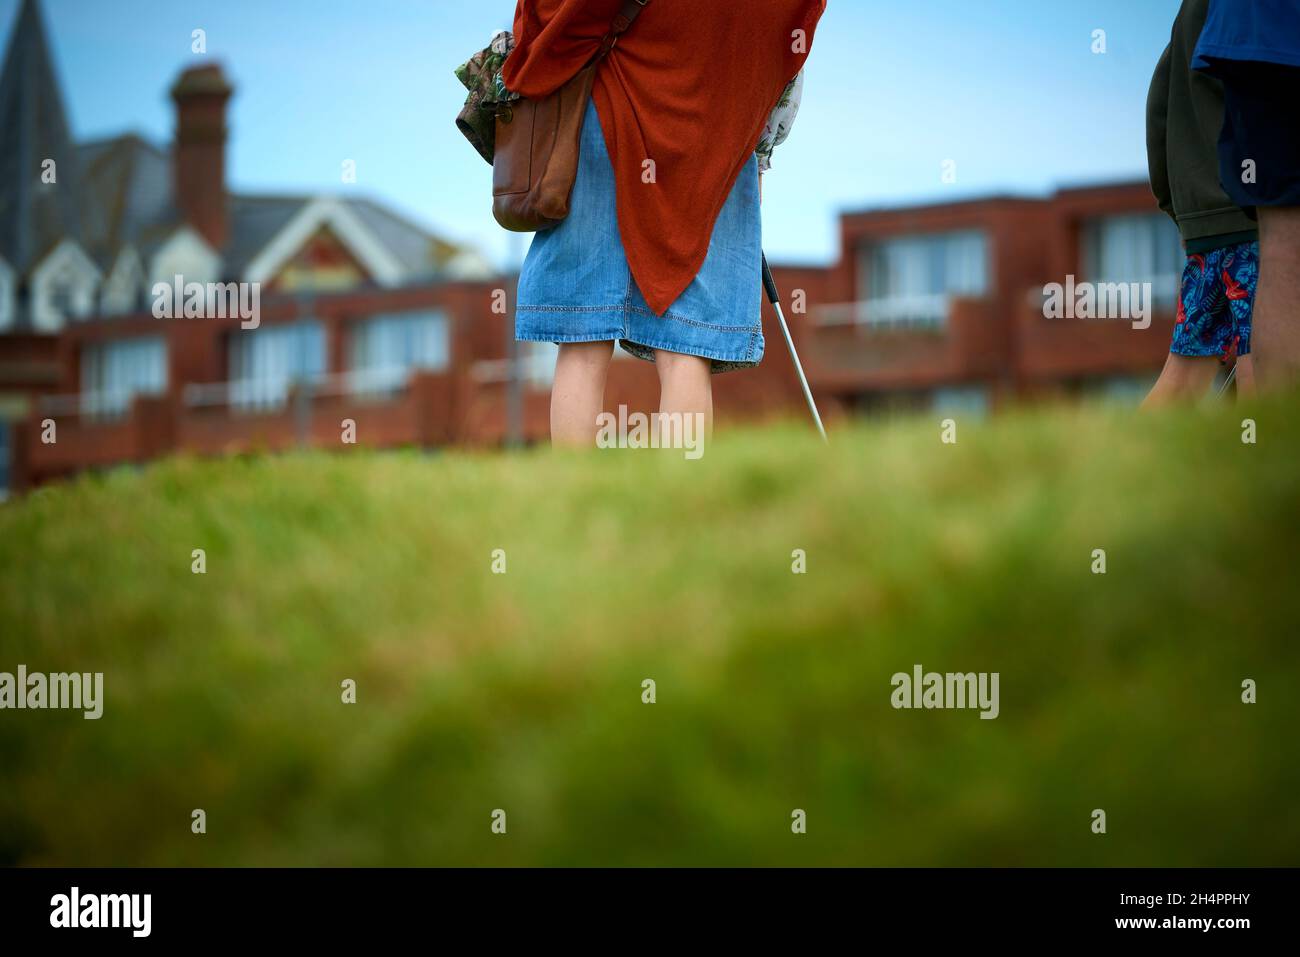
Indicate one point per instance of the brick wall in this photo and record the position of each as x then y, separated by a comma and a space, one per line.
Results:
998, 342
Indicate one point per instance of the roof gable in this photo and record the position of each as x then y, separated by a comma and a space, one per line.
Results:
359, 239
126, 191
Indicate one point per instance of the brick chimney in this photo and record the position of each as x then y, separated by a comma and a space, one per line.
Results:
199, 155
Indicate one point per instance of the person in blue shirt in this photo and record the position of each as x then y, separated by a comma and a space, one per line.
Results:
1253, 48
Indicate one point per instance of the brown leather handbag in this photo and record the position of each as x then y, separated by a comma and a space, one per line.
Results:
537, 143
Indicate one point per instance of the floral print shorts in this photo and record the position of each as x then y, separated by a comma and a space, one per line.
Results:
1218, 297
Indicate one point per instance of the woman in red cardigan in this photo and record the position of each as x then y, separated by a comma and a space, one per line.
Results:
662, 248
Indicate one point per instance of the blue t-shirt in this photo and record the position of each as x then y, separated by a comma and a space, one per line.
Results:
1267, 30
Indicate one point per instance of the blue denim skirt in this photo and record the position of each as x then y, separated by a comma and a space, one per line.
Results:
575, 285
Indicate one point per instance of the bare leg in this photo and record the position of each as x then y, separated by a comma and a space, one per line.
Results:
1245, 381
685, 385
578, 395
1276, 336
1183, 379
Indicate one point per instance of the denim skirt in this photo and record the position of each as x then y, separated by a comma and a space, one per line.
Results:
575, 285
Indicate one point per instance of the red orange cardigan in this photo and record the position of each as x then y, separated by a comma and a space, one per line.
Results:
688, 87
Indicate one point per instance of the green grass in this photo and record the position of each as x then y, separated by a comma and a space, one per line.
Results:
523, 691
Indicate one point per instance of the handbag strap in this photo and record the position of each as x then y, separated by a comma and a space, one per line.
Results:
626, 17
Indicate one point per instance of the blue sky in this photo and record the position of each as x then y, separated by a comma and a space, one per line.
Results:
1008, 89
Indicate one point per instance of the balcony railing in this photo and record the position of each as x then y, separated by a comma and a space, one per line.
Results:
103, 406
537, 370
272, 395
901, 312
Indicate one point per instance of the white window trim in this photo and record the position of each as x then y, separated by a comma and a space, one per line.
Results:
345, 224
67, 254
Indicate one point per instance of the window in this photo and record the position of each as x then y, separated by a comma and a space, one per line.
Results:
112, 373
266, 362
1142, 248
385, 349
910, 280
61, 299
63, 285
69, 293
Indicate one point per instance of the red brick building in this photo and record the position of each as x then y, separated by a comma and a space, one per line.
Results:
367, 319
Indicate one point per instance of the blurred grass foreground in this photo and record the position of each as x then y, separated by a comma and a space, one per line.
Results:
524, 692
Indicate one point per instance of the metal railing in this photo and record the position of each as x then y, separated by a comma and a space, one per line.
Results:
537, 370
254, 395
99, 406
270, 395
901, 312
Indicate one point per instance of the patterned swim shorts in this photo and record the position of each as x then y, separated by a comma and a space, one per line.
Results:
1218, 297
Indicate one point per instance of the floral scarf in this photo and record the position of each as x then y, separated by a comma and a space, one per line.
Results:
481, 75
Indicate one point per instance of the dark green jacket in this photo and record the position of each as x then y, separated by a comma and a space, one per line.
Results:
1184, 116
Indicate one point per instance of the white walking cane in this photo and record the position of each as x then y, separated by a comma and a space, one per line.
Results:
770, 285
1232, 374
